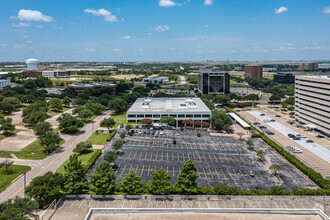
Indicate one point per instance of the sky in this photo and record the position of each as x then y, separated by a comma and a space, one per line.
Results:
164, 30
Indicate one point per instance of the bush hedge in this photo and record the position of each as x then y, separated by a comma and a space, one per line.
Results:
92, 160
312, 174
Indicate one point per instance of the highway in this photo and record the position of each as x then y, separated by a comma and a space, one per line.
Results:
55, 160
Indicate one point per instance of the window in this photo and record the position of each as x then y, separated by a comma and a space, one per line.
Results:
173, 116
180, 116
197, 116
156, 116
131, 116
206, 116
148, 116
189, 116
140, 116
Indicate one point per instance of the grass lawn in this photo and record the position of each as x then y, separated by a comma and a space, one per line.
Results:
14, 171
33, 151
52, 113
100, 138
86, 159
121, 119
235, 84
2, 136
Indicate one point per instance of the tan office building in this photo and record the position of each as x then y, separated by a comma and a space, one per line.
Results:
253, 71
312, 102
308, 66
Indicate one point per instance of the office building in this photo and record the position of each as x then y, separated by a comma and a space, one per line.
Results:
253, 71
180, 108
80, 87
32, 64
312, 102
211, 81
324, 66
285, 78
4, 83
56, 74
156, 80
308, 66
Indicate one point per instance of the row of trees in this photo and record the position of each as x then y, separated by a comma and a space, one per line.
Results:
49, 139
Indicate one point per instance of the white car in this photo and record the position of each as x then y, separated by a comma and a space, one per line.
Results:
177, 134
140, 131
161, 132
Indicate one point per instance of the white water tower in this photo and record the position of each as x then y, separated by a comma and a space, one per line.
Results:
32, 64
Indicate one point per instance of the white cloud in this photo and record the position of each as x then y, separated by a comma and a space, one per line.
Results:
116, 50
3, 45
326, 10
19, 45
163, 28
21, 24
206, 26
90, 49
149, 34
208, 2
108, 16
25, 36
167, 3
39, 26
29, 15
126, 37
280, 10
287, 47
57, 27
28, 41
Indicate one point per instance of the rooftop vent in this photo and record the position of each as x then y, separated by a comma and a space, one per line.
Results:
145, 105
189, 100
192, 105
147, 99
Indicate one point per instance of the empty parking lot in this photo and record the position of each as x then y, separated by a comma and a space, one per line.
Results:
218, 160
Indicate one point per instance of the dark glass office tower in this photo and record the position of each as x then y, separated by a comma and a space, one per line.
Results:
211, 81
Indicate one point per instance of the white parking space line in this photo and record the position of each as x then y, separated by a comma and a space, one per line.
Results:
72, 204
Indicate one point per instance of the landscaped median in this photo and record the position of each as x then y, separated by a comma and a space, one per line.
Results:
100, 138
33, 151
13, 172
312, 174
87, 160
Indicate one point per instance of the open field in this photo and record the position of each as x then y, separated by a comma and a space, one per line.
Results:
14, 171
86, 159
219, 159
100, 138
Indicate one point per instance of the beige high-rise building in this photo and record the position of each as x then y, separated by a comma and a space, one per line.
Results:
308, 66
312, 102
253, 71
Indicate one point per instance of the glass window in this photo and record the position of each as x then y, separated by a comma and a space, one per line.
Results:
206, 116
140, 116
197, 116
131, 116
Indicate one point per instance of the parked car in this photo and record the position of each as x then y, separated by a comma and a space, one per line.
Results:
140, 131
174, 141
165, 142
262, 114
156, 134
161, 132
251, 173
319, 136
256, 123
144, 132
198, 134
144, 127
114, 167
277, 116
300, 136
150, 141
177, 134
140, 126
121, 126
272, 120
309, 141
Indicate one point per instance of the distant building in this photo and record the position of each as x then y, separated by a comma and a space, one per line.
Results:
253, 71
32, 64
312, 98
80, 87
308, 66
324, 65
4, 83
156, 80
56, 74
269, 69
179, 108
211, 81
286, 78
33, 73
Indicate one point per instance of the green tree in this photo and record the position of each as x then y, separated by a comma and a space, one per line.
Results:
6, 107
96, 108
103, 181
250, 143
117, 144
35, 118
6, 125
77, 110
85, 114
13, 100
69, 124
51, 141
208, 103
110, 156
66, 101
220, 120
19, 209
55, 104
44, 189
83, 147
261, 154
6, 164
122, 135
108, 123
131, 184
74, 175
160, 183
119, 105
223, 99
42, 128
129, 127
223, 189
275, 168
291, 108
168, 119
186, 183
274, 98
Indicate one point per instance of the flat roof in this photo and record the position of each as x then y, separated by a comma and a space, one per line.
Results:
169, 105
315, 76
91, 84
239, 120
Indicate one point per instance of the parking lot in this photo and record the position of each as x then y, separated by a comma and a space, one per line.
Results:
219, 159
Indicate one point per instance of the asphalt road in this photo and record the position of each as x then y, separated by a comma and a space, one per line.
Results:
54, 161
